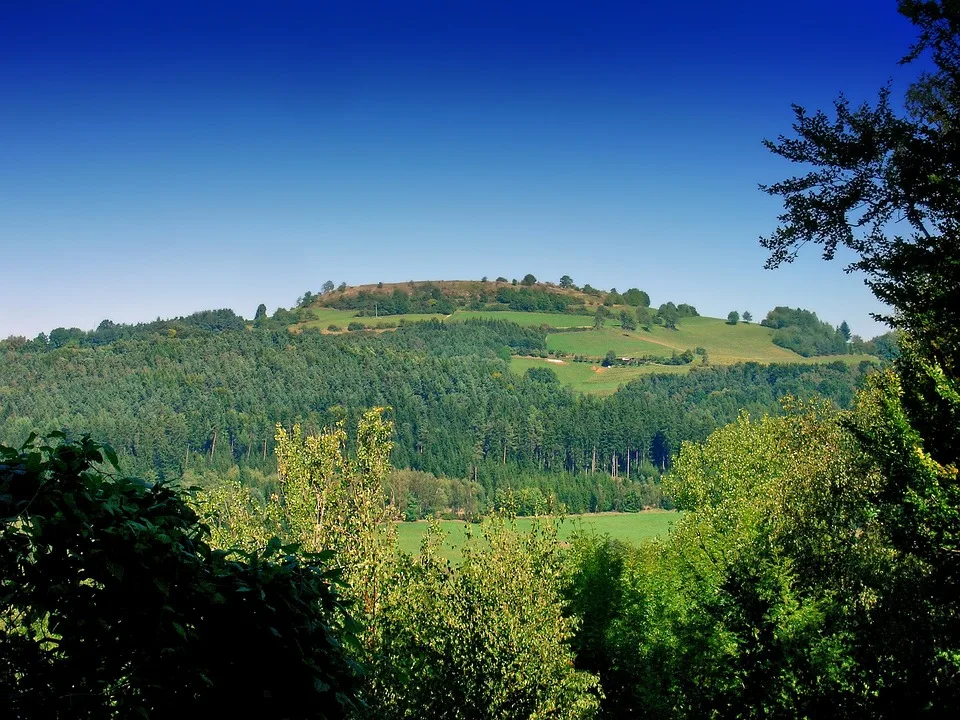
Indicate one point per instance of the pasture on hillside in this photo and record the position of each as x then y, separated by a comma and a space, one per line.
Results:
633, 528
726, 344
592, 377
535, 319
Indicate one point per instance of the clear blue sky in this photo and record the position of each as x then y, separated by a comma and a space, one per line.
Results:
158, 158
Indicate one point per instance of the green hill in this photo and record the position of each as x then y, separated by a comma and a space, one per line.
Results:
576, 348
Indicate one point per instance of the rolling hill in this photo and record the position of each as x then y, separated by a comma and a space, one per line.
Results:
576, 348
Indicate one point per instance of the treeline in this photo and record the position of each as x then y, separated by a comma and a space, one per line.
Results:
172, 404
423, 299
526, 299
197, 324
429, 298
804, 333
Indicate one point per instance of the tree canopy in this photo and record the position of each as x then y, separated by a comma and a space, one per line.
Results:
114, 604
873, 166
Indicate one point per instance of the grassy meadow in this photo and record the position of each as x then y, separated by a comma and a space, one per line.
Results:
726, 344
629, 527
591, 377
535, 319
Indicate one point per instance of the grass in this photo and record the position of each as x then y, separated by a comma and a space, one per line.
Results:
557, 320
596, 343
629, 527
592, 378
725, 344
324, 317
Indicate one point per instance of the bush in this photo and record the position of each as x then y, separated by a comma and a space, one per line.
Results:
490, 640
113, 604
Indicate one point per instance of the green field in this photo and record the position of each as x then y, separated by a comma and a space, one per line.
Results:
591, 377
557, 320
324, 317
725, 344
628, 527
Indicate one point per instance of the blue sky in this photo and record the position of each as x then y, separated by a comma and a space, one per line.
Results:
157, 158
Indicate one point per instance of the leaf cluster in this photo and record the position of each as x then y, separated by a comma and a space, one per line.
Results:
113, 604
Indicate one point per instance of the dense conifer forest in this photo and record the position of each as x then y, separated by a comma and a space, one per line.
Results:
207, 396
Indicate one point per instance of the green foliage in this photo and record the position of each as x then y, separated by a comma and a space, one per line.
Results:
733, 317
486, 640
328, 502
542, 374
107, 332
909, 428
627, 321
886, 346
209, 404
739, 612
637, 298
420, 495
844, 330
566, 282
426, 298
528, 280
114, 605
669, 315
644, 318
804, 333
529, 299
872, 165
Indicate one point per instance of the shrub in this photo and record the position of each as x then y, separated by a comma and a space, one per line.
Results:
113, 604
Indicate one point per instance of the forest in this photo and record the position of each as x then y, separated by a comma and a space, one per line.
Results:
814, 570
207, 397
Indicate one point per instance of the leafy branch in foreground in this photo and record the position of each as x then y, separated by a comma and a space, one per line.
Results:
113, 604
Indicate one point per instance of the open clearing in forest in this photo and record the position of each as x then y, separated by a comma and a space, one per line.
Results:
628, 527
535, 319
725, 344
592, 378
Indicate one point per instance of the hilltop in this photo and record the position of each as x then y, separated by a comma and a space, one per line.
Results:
591, 340
596, 340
